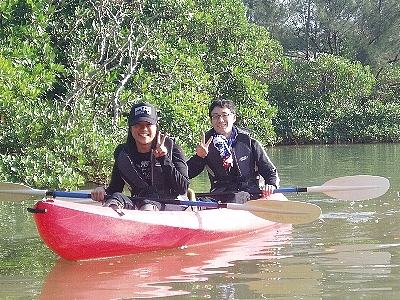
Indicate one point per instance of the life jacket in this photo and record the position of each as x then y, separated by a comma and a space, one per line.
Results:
132, 176
244, 175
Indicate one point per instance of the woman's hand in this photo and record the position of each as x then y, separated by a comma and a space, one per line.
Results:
161, 149
98, 194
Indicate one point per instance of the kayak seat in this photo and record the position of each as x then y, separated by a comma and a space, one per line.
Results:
149, 207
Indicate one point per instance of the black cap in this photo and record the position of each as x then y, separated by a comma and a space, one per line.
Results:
143, 112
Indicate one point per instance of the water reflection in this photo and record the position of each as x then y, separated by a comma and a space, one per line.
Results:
293, 278
359, 270
361, 259
354, 217
156, 274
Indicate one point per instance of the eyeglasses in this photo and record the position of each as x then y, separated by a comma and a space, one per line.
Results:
223, 116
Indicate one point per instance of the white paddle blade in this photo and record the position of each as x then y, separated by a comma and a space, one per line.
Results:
354, 188
291, 212
18, 192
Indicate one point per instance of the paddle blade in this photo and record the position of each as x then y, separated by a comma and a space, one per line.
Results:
292, 212
354, 188
18, 192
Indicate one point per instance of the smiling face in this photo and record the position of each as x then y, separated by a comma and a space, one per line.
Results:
222, 120
144, 134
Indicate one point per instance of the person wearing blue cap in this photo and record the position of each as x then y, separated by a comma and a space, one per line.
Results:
149, 162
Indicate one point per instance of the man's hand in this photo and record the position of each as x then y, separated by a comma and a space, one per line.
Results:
202, 147
267, 190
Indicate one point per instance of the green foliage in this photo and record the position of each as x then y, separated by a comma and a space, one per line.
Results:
27, 73
72, 70
316, 100
388, 87
332, 100
382, 111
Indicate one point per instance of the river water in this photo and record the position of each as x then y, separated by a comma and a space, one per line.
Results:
352, 252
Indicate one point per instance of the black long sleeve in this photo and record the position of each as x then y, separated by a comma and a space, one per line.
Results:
265, 166
196, 165
116, 182
175, 170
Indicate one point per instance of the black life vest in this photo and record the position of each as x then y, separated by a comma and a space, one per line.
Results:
244, 175
132, 176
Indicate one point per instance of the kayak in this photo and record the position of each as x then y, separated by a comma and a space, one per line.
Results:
79, 231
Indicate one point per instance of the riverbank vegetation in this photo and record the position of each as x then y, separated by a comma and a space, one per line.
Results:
70, 70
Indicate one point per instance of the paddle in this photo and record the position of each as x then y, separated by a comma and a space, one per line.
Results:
18, 192
350, 188
292, 212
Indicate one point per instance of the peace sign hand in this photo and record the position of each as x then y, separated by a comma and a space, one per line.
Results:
202, 147
161, 149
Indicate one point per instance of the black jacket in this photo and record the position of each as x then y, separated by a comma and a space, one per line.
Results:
249, 161
169, 173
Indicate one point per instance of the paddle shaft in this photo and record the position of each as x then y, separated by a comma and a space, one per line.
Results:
315, 189
349, 188
209, 204
279, 190
62, 194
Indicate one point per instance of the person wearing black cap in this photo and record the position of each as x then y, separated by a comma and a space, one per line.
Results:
150, 163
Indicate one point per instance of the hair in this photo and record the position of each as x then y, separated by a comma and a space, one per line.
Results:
222, 103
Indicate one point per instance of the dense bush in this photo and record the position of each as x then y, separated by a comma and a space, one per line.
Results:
69, 71
322, 101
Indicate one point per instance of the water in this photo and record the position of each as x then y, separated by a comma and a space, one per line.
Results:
352, 252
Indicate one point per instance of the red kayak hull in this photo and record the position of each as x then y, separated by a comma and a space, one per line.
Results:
77, 231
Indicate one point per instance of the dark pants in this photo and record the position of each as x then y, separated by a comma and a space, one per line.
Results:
239, 197
124, 202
